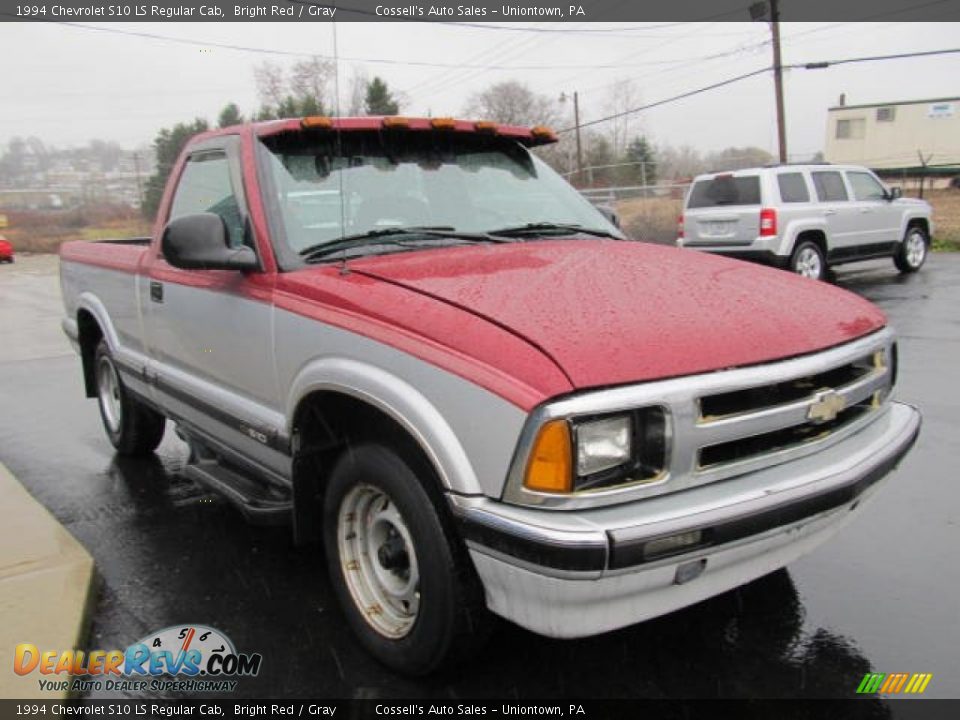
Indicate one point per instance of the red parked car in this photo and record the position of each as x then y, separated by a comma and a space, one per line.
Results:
6, 250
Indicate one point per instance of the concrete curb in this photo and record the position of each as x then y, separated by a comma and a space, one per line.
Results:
46, 586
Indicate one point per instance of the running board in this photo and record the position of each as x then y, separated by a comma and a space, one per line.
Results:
260, 503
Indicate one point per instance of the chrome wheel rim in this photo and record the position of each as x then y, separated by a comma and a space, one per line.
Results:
808, 263
378, 560
915, 249
108, 390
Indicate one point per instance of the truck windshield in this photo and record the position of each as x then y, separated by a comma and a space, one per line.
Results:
326, 187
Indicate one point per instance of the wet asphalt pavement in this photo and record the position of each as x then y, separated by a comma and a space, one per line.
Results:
881, 596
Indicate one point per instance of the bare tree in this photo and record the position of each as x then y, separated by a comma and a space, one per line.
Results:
271, 84
309, 80
358, 92
513, 103
621, 97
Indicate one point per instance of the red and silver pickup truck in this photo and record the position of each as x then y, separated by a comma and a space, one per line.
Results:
412, 339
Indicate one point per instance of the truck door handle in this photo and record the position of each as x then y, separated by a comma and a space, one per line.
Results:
156, 291
866, 210
829, 212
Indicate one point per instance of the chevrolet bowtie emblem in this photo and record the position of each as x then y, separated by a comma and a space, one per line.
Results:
825, 407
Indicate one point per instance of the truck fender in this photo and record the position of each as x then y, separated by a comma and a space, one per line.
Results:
399, 400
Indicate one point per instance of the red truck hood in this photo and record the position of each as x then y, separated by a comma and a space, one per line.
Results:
613, 312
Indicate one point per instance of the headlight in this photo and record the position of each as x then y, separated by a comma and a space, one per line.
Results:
598, 452
603, 444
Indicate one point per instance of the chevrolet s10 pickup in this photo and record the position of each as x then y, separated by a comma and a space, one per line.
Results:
412, 340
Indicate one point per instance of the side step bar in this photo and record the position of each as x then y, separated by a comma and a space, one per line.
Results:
261, 504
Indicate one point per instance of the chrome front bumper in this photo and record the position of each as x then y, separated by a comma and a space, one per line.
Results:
596, 553
603, 540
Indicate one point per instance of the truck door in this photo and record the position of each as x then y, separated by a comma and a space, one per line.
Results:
210, 331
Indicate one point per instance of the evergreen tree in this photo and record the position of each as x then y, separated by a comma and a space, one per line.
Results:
379, 101
639, 151
230, 115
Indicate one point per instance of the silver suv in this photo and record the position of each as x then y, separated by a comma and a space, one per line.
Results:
805, 218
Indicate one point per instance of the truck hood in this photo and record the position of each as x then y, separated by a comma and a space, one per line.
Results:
614, 312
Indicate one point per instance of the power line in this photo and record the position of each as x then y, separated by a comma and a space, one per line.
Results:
714, 86
729, 81
383, 61
819, 65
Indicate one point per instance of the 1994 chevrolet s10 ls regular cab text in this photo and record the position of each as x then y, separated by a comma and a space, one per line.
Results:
411, 338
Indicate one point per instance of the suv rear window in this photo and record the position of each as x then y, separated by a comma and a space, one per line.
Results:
793, 188
725, 190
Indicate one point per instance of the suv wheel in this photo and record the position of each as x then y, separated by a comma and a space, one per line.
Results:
133, 428
807, 260
403, 579
913, 250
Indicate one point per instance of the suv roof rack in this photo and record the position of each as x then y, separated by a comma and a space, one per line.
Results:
779, 164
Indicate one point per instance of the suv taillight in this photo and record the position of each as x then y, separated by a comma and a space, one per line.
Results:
768, 222
680, 226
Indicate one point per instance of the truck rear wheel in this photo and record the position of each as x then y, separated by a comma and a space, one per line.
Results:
913, 250
133, 428
403, 578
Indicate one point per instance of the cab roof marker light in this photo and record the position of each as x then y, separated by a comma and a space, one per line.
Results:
543, 132
396, 121
320, 122
486, 126
443, 123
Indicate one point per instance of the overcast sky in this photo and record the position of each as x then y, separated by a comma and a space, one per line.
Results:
68, 85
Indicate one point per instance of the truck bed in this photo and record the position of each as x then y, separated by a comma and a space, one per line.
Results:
122, 254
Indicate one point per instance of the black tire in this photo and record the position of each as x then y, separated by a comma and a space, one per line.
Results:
452, 620
807, 260
913, 251
133, 428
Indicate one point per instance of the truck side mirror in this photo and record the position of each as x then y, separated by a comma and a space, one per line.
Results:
895, 192
201, 242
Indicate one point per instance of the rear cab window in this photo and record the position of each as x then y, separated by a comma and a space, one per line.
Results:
724, 191
829, 186
793, 188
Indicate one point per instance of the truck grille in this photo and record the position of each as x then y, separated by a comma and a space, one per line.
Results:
754, 422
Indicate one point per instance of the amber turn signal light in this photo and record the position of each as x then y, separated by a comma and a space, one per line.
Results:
549, 468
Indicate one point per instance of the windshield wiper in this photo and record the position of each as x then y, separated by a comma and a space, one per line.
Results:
550, 227
382, 236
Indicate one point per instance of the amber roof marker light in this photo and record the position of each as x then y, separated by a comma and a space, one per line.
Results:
317, 122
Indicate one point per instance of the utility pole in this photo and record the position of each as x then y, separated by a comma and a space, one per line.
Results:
576, 122
778, 79
760, 11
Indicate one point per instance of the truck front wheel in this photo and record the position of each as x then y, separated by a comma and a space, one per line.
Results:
403, 578
133, 428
